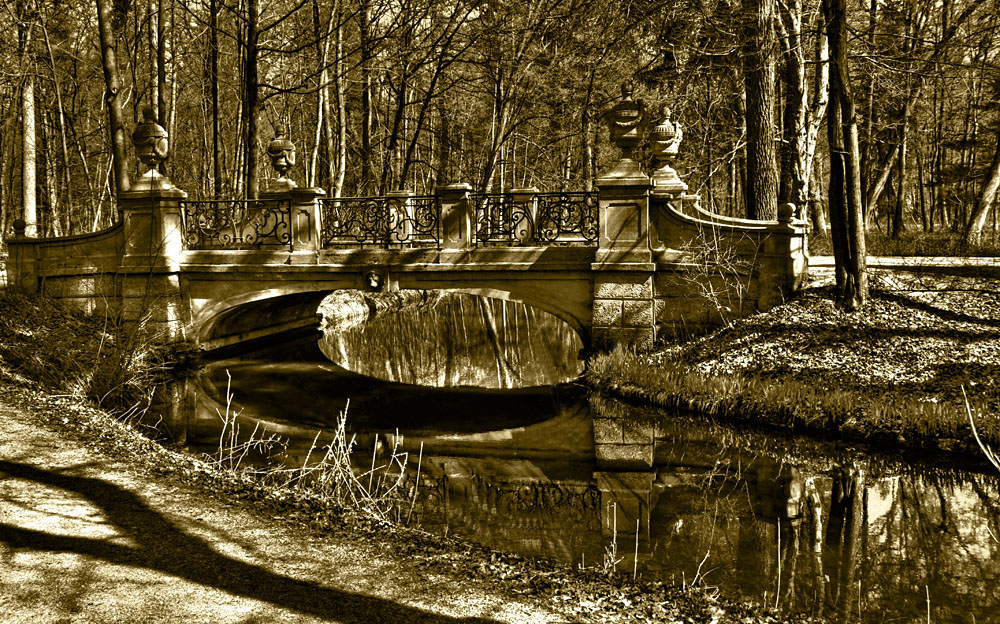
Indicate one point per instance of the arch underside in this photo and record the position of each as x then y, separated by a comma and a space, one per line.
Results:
231, 307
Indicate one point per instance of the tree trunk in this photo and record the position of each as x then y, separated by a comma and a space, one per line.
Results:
367, 111
251, 100
112, 95
213, 63
898, 226
761, 192
801, 121
985, 199
878, 185
340, 92
161, 70
28, 156
845, 176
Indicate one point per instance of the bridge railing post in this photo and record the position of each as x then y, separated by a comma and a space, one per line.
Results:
456, 216
399, 216
303, 215
524, 216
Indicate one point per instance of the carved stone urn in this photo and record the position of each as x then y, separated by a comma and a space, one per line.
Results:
151, 148
664, 141
626, 121
281, 151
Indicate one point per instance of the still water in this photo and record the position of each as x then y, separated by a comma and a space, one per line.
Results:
537, 466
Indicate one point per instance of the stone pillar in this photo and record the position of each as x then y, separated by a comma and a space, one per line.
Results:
623, 265
784, 266
153, 246
22, 259
456, 217
303, 215
149, 270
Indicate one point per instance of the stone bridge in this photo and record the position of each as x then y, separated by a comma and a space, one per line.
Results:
636, 259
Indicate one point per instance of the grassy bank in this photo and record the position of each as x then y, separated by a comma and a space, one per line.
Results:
890, 374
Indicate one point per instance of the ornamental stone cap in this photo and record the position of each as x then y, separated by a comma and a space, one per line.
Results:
151, 148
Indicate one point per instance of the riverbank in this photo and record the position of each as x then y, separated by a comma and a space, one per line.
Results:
102, 523
890, 375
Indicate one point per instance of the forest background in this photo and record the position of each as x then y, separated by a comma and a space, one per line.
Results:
381, 95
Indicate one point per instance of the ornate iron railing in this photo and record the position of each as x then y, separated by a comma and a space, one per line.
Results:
539, 217
381, 221
237, 224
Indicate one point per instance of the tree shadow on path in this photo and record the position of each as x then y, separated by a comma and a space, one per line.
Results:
164, 547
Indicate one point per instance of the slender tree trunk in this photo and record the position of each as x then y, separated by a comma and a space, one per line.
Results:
340, 91
161, 70
898, 226
113, 95
251, 99
801, 121
878, 185
213, 64
920, 191
367, 112
761, 192
985, 199
588, 149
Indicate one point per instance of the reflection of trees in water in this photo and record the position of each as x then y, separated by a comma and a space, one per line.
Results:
461, 340
838, 543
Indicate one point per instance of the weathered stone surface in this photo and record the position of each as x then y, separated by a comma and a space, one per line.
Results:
607, 431
637, 433
637, 313
624, 456
623, 286
607, 313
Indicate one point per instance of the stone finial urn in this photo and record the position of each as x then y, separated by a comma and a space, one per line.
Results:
626, 122
151, 148
281, 151
664, 141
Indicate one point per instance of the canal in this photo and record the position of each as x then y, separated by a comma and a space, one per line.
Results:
479, 398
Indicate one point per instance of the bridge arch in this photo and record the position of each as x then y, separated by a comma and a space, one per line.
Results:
254, 312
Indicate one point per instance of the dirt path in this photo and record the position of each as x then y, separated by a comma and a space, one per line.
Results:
88, 538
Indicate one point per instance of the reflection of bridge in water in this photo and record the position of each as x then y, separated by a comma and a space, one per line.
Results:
622, 264
546, 473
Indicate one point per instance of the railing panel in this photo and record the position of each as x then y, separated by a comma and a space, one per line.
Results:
237, 224
567, 217
539, 218
381, 221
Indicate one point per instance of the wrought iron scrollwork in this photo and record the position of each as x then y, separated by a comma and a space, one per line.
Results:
567, 217
540, 217
237, 224
383, 221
